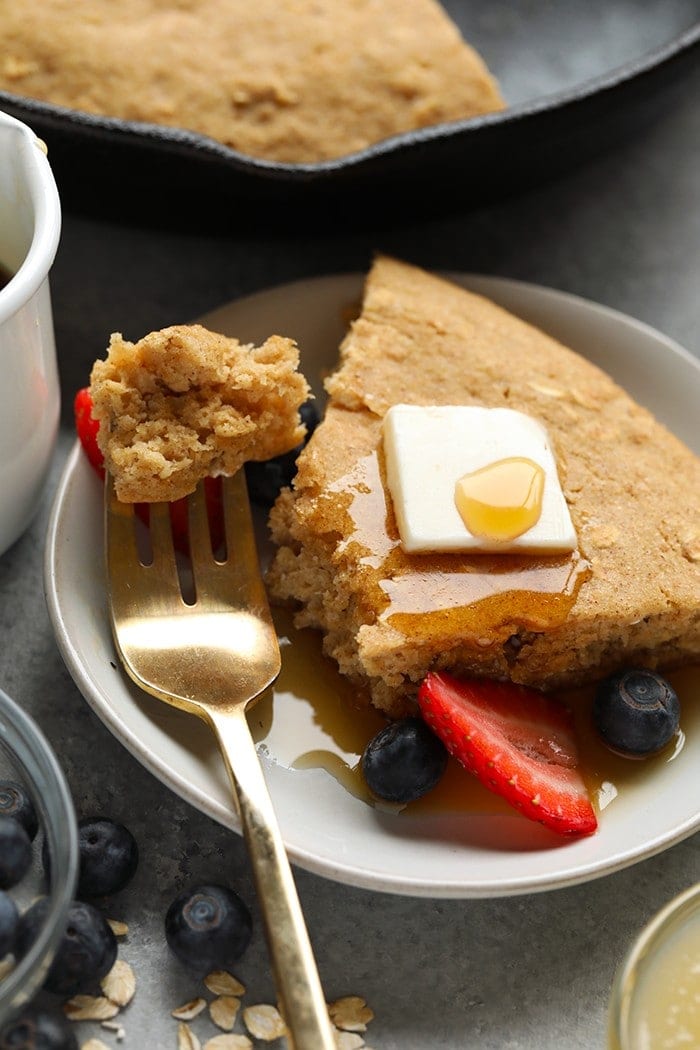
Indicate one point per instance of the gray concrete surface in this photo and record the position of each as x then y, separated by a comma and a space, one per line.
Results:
530, 973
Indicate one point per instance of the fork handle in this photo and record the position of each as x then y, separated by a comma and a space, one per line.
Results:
294, 968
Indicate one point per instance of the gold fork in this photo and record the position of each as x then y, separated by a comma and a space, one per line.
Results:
213, 658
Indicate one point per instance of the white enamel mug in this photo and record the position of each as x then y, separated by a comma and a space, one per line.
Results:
30, 224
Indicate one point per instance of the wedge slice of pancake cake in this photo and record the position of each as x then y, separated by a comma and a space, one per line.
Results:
629, 595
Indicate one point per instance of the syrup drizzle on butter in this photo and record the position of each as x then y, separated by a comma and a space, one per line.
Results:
483, 598
501, 500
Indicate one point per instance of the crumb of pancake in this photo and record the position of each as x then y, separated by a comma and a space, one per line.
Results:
183, 403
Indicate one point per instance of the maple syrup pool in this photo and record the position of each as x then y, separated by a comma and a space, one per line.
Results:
311, 720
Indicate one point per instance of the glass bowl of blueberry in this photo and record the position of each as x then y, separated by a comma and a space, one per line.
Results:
38, 833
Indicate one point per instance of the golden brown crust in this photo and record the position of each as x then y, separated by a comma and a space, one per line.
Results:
184, 403
290, 80
633, 490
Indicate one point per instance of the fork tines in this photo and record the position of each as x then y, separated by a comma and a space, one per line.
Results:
185, 545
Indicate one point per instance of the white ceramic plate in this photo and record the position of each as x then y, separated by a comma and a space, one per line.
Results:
326, 829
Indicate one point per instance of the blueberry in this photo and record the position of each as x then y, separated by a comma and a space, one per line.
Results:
36, 1029
309, 417
636, 712
15, 802
266, 479
15, 852
86, 952
208, 927
109, 857
403, 761
9, 917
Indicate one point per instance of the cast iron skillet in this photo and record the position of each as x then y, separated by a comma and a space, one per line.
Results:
578, 77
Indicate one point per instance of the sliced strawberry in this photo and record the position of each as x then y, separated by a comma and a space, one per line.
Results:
87, 428
518, 742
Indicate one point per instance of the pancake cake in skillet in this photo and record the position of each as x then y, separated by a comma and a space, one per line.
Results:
629, 595
292, 81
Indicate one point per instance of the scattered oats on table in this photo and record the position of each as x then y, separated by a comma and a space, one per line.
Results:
264, 1021
94, 1044
118, 928
119, 984
351, 1013
188, 1011
228, 1041
349, 1041
223, 1011
186, 1039
221, 982
115, 1026
90, 1008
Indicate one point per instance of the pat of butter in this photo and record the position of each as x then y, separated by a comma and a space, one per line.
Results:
428, 449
